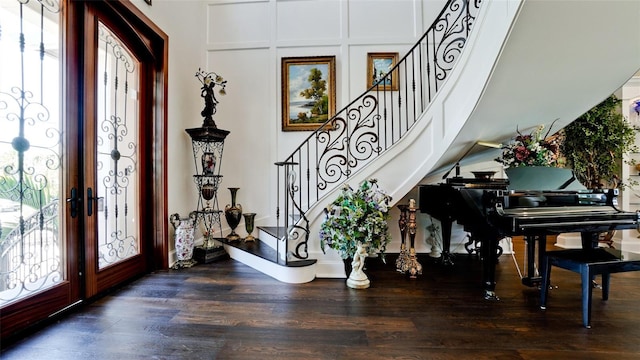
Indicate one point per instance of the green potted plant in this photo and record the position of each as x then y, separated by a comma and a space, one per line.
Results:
356, 222
594, 144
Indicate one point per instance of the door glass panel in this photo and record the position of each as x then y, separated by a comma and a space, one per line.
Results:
117, 144
31, 247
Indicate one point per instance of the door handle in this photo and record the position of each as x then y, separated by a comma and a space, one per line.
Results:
90, 199
74, 201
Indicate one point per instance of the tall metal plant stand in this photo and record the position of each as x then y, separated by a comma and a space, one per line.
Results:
208, 143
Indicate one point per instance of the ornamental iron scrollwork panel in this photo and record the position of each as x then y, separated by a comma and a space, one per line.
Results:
30, 149
345, 148
449, 38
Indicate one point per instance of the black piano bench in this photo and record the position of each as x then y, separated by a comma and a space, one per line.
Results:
589, 263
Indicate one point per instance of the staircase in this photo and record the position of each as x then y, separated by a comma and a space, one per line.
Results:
524, 63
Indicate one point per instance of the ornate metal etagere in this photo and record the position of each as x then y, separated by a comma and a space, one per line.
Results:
208, 144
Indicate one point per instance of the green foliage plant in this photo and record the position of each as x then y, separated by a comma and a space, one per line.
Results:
32, 192
595, 143
359, 215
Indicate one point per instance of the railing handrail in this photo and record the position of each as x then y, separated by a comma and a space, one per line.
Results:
32, 223
362, 129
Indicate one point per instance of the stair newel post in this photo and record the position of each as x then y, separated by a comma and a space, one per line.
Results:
278, 165
289, 186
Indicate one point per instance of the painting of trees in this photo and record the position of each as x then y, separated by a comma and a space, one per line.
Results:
308, 92
317, 92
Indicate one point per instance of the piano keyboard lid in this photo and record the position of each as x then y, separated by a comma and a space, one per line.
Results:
560, 211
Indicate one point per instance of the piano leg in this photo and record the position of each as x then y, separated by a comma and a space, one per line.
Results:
446, 224
489, 250
532, 277
589, 239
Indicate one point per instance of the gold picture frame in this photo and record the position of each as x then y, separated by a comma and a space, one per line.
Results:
378, 65
308, 92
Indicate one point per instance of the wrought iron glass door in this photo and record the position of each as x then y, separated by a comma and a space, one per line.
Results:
117, 106
39, 207
116, 140
82, 188
31, 251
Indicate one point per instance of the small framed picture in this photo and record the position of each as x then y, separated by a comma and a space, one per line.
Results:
208, 163
308, 92
379, 64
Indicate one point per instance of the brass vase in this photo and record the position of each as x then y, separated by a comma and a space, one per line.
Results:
249, 219
233, 214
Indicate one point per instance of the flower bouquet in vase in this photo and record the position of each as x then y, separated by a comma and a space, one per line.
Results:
356, 226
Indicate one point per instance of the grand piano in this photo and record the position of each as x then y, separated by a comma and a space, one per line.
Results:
492, 209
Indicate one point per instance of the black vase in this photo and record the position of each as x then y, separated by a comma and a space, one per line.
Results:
347, 265
233, 214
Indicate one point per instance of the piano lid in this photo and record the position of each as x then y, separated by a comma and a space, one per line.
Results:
542, 178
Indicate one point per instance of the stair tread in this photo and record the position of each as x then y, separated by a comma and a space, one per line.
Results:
265, 252
275, 231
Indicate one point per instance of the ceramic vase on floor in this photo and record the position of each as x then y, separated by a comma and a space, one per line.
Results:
184, 239
233, 214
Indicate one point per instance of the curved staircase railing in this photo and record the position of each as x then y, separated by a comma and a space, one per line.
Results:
369, 125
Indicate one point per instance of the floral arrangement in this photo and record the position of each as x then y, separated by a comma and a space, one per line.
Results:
359, 215
532, 149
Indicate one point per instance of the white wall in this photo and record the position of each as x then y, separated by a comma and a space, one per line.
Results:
183, 22
244, 40
630, 199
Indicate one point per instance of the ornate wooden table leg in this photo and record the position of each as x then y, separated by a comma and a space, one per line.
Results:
415, 268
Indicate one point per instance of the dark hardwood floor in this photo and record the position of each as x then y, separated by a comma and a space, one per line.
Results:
227, 310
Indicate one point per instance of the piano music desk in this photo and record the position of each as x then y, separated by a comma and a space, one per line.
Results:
588, 263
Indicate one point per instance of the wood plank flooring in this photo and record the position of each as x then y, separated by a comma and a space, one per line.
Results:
226, 310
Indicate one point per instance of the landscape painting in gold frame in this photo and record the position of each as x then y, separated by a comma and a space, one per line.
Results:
378, 66
308, 92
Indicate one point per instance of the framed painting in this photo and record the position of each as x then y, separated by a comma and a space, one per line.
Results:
308, 92
378, 66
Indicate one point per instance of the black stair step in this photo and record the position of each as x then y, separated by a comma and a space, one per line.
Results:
266, 252
277, 232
